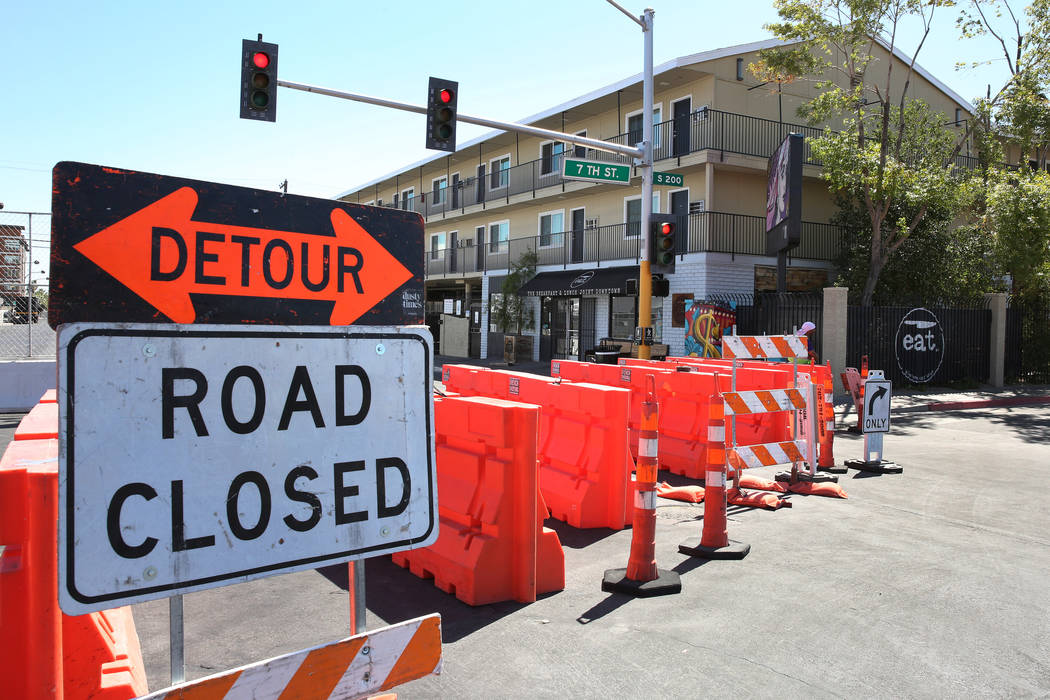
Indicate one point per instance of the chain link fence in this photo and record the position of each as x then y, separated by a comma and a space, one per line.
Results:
25, 250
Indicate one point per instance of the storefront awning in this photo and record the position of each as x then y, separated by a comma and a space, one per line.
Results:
574, 283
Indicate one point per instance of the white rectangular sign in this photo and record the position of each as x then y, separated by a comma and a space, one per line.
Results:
877, 395
197, 456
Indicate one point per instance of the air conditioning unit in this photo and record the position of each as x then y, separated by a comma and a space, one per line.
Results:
697, 207
591, 223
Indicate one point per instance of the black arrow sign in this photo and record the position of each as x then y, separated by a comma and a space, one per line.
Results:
880, 392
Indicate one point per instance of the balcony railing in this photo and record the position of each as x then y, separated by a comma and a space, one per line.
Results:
715, 232
704, 129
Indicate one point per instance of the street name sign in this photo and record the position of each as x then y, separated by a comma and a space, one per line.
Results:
877, 395
668, 179
596, 171
195, 456
137, 247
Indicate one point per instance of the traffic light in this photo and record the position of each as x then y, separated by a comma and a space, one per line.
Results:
442, 97
258, 80
661, 242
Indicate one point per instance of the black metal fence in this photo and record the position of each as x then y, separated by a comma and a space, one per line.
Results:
1028, 340
921, 345
770, 313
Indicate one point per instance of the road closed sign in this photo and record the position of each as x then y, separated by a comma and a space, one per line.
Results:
198, 456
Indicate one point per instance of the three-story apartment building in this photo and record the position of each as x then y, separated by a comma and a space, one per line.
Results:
502, 194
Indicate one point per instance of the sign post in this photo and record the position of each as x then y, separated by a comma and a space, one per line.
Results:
877, 394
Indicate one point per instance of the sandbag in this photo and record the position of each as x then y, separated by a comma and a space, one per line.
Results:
756, 499
825, 488
689, 494
752, 481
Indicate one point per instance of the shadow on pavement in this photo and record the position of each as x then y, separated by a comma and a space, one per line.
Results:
576, 538
1028, 422
395, 595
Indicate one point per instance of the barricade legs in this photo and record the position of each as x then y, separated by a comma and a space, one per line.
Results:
714, 542
642, 578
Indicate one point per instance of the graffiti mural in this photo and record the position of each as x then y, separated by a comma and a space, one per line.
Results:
705, 324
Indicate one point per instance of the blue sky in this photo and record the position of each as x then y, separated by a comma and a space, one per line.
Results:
154, 86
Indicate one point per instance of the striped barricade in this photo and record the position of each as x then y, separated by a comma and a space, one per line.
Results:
744, 403
492, 545
764, 347
351, 668
584, 462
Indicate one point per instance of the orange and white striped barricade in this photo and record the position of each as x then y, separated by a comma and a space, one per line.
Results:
764, 347
642, 578
714, 542
877, 391
354, 667
826, 456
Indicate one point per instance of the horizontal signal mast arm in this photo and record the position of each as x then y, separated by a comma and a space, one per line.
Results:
630, 151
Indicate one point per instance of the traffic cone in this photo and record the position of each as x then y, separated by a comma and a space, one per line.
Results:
826, 455
714, 542
642, 578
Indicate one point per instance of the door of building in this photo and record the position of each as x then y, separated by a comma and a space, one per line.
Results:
453, 243
577, 234
681, 126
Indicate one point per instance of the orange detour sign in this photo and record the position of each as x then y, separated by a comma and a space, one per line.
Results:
138, 247
354, 667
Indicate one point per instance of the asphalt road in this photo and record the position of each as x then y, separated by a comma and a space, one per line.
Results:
932, 583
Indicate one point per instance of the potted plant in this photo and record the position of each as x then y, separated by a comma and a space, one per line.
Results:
512, 313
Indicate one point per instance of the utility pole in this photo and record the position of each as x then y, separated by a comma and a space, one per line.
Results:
284, 186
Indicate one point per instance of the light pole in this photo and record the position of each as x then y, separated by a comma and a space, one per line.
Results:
645, 278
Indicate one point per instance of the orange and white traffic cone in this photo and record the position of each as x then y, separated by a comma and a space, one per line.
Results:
642, 578
826, 455
714, 542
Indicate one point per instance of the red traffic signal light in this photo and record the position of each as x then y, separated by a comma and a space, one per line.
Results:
258, 80
441, 114
662, 242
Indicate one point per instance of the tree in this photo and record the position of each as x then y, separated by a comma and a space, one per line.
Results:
509, 310
1017, 214
893, 155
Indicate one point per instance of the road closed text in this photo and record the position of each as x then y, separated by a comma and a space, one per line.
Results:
253, 502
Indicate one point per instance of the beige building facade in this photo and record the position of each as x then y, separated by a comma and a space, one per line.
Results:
503, 194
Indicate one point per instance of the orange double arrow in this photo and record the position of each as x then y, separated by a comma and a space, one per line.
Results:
161, 254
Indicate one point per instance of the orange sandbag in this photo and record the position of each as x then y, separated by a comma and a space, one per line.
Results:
689, 494
825, 488
750, 481
756, 499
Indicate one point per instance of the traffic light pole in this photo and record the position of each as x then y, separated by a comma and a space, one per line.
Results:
629, 151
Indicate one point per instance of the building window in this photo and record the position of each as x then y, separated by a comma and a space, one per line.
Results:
634, 127
623, 317
552, 225
500, 172
580, 151
406, 198
632, 214
739, 69
439, 190
437, 245
499, 234
550, 157
958, 117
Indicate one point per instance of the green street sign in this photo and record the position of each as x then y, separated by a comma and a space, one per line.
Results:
668, 179
596, 171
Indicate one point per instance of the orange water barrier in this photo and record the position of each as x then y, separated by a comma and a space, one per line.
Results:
44, 653
584, 463
492, 544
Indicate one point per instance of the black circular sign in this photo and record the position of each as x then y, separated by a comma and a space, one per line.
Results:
919, 345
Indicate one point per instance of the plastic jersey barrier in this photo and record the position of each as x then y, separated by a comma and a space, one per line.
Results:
493, 546
584, 462
95, 655
40, 423
684, 399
